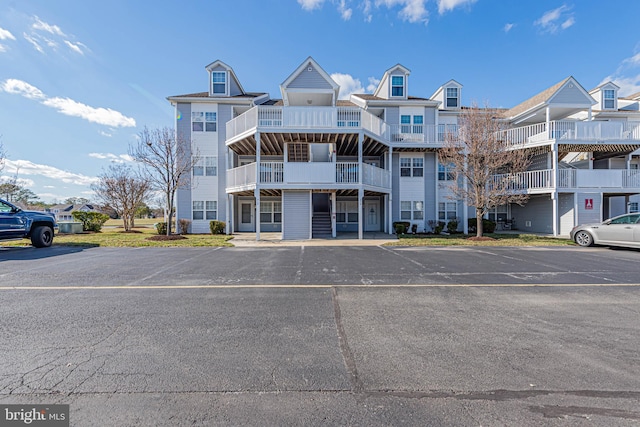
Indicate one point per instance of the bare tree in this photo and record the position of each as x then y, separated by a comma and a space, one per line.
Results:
3, 155
123, 190
168, 161
484, 164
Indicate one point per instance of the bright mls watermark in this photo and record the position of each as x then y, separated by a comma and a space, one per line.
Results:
34, 415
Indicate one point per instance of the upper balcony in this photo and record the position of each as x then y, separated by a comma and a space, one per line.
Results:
544, 181
574, 132
292, 175
333, 120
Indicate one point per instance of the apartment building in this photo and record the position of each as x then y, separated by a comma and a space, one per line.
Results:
311, 165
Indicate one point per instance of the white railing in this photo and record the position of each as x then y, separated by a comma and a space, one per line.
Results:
566, 130
523, 181
631, 179
243, 122
422, 133
375, 176
242, 176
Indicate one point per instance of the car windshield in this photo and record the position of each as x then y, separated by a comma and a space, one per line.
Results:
4, 207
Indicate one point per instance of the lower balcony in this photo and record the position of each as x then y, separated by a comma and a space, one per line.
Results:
283, 174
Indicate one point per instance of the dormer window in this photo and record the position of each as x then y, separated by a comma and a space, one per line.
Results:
397, 85
219, 82
452, 97
609, 98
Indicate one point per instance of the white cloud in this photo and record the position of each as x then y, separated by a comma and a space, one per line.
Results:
553, 20
69, 107
310, 4
43, 26
76, 47
114, 158
447, 5
18, 87
33, 42
627, 75
3, 48
373, 84
23, 182
348, 85
107, 134
508, 27
345, 11
412, 10
6, 34
25, 167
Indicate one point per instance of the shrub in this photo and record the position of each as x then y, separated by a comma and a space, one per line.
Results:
161, 227
184, 225
452, 226
405, 226
488, 226
91, 221
217, 227
439, 227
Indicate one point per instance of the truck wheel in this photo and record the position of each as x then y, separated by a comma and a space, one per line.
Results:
42, 237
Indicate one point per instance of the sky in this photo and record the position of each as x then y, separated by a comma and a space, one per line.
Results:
80, 79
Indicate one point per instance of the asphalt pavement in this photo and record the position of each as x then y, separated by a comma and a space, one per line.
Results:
323, 335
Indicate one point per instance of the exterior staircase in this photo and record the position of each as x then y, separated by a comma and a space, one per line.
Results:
321, 224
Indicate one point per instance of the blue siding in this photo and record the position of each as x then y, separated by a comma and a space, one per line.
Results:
183, 130
309, 80
395, 187
430, 182
224, 115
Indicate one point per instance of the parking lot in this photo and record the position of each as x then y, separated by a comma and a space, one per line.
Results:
324, 335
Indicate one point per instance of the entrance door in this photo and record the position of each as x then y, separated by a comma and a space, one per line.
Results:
371, 215
247, 216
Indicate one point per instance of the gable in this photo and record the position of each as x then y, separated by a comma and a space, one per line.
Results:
571, 93
309, 78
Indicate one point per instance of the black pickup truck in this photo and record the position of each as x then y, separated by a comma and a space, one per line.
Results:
15, 223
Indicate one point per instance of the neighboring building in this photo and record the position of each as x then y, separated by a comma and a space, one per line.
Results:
310, 165
64, 212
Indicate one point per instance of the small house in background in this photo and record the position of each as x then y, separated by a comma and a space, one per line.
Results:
64, 212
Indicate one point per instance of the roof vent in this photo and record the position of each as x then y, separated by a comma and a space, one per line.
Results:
310, 69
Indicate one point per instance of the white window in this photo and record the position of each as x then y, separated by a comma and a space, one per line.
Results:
411, 166
445, 172
219, 82
409, 126
447, 211
271, 212
347, 212
206, 166
452, 97
499, 213
633, 207
609, 98
412, 210
397, 85
201, 122
204, 210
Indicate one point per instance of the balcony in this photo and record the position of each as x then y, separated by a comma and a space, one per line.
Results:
573, 132
332, 119
317, 174
542, 181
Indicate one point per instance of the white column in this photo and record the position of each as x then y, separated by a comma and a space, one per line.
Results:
360, 213
554, 194
228, 213
390, 195
232, 214
548, 120
334, 196
256, 192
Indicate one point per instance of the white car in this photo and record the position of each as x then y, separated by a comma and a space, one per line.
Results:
623, 230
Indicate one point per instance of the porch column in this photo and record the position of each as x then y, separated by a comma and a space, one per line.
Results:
554, 194
232, 213
334, 196
390, 195
548, 120
360, 213
360, 141
256, 192
228, 212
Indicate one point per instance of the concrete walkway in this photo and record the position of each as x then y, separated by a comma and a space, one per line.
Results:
343, 239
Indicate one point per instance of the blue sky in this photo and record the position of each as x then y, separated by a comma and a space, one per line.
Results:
79, 79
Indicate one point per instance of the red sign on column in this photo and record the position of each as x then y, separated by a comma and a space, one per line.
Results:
588, 203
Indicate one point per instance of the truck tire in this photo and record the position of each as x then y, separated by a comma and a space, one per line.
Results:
42, 236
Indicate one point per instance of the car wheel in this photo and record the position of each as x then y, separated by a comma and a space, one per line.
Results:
42, 237
584, 238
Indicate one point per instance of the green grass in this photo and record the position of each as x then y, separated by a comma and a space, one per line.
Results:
463, 240
116, 237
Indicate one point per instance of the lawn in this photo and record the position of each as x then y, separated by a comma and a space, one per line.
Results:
463, 240
113, 236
